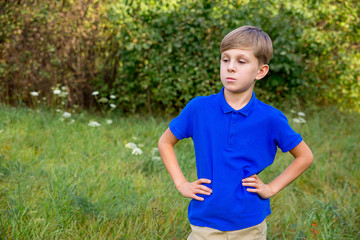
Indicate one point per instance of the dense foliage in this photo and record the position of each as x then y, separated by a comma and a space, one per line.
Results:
156, 55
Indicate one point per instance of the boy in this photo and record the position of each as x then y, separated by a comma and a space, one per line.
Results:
235, 137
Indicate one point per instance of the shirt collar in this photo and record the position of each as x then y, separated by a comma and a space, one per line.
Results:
226, 108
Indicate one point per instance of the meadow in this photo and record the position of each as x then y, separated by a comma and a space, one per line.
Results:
64, 178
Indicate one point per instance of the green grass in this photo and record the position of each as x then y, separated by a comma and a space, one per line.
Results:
71, 181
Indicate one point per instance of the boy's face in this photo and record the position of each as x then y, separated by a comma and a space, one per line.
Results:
239, 69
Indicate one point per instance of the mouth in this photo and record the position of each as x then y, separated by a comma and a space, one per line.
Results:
230, 79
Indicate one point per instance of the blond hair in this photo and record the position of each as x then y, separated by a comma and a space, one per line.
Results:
250, 38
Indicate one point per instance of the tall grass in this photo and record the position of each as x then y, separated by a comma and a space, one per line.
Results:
64, 180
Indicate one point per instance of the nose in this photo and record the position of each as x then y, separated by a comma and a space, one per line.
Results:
231, 67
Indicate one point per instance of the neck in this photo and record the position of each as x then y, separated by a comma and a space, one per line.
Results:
237, 100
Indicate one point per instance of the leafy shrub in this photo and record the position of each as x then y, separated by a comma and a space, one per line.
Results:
49, 43
330, 41
157, 55
174, 55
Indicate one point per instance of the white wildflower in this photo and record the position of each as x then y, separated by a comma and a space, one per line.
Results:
112, 97
299, 120
137, 151
301, 114
156, 158
58, 110
103, 100
35, 94
154, 150
64, 94
66, 115
109, 121
302, 120
130, 145
295, 120
72, 121
95, 93
94, 124
57, 92
63, 88
112, 105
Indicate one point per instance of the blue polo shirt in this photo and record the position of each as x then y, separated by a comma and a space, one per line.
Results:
231, 145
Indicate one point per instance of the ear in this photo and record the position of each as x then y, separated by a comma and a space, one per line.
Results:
263, 70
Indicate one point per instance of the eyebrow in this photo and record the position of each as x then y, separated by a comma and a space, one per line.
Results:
236, 56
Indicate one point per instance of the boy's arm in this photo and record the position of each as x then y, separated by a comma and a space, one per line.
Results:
166, 148
303, 160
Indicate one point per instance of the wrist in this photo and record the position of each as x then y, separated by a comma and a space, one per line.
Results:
179, 185
273, 190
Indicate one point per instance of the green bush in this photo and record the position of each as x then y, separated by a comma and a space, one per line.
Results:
174, 55
330, 41
49, 43
157, 55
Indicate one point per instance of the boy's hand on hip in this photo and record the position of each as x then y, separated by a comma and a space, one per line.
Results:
189, 190
257, 186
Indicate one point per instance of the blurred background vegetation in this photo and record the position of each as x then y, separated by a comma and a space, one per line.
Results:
157, 55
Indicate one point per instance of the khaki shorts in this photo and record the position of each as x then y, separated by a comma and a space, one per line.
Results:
257, 232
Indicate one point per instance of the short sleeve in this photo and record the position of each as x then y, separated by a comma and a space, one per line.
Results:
286, 138
182, 126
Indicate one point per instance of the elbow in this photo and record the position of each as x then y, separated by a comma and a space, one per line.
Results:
308, 156
160, 148
310, 159
160, 143
166, 142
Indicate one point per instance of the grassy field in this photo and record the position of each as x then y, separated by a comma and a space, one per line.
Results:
63, 179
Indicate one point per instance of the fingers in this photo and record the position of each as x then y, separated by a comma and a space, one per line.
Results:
252, 181
202, 180
203, 190
250, 184
252, 178
249, 179
198, 188
197, 197
202, 187
254, 190
255, 185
